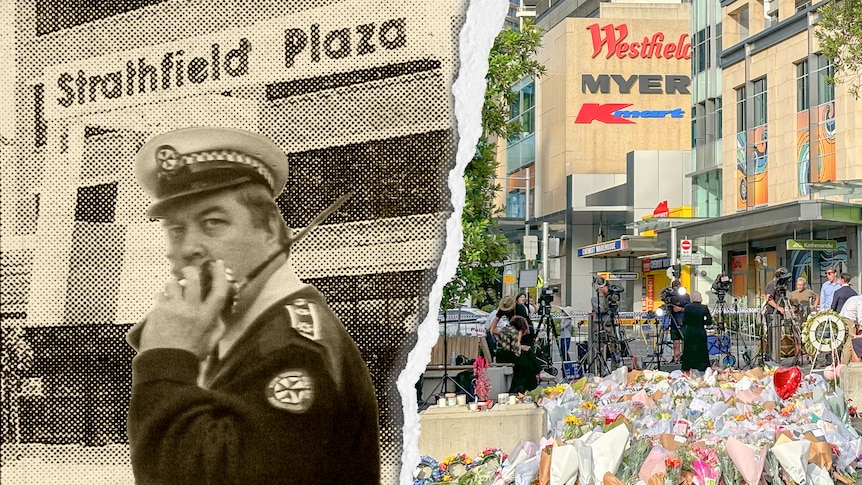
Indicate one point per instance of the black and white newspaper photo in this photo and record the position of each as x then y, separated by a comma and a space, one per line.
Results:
223, 225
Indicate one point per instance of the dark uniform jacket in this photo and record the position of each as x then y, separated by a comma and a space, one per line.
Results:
291, 402
840, 296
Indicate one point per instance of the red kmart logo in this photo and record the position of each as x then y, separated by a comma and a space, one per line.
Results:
617, 114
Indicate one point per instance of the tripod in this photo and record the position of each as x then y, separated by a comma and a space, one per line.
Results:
446, 378
790, 318
612, 347
760, 358
661, 340
720, 310
543, 350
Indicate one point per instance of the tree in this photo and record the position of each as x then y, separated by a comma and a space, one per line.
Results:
840, 35
511, 59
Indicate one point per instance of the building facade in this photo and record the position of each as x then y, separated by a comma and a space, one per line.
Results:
615, 100
790, 157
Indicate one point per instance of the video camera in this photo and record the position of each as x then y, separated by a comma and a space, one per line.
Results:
546, 297
783, 280
614, 292
721, 285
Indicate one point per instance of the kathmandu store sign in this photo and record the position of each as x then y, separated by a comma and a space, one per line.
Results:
615, 113
612, 38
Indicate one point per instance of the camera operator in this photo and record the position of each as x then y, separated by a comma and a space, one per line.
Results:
675, 303
803, 299
599, 303
780, 280
842, 294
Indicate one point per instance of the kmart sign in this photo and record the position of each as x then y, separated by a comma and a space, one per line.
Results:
811, 245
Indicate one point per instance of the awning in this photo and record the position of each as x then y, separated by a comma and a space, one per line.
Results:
792, 219
624, 247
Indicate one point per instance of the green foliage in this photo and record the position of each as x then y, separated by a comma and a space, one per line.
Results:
509, 61
840, 34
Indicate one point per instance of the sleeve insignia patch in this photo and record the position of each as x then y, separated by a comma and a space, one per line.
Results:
302, 319
291, 390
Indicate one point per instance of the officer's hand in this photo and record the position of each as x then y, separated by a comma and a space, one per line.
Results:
780, 309
179, 318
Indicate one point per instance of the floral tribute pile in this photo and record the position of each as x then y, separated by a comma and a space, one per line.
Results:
771, 426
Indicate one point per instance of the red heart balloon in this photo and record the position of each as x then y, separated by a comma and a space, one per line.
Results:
787, 380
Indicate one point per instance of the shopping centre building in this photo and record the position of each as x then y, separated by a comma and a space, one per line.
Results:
334, 83
763, 154
606, 138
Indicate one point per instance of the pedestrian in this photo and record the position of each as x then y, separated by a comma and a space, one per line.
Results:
802, 298
828, 288
512, 347
851, 313
843, 293
565, 342
243, 373
695, 352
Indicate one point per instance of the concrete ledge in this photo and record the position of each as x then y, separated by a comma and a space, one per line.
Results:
449, 430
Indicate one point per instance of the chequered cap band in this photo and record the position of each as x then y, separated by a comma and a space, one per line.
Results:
170, 161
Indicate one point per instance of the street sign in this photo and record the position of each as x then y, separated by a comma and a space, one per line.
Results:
619, 276
553, 246
528, 278
811, 245
509, 276
696, 258
685, 251
531, 247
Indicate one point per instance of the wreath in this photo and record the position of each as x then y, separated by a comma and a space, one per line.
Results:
428, 471
456, 466
824, 331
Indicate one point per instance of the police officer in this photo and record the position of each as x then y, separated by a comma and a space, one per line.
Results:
243, 373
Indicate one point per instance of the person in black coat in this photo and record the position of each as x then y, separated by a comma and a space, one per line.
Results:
842, 294
695, 352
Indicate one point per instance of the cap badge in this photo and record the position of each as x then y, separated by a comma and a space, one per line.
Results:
168, 158
291, 390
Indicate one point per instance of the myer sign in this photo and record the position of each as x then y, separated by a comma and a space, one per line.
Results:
811, 245
322, 41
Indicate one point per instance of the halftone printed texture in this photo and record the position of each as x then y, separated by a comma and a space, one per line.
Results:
359, 96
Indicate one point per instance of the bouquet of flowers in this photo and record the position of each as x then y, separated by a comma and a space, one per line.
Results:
481, 384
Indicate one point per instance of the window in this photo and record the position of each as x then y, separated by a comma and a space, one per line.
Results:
759, 100
718, 119
96, 203
802, 4
825, 89
707, 194
700, 61
740, 109
717, 41
521, 149
802, 86
517, 183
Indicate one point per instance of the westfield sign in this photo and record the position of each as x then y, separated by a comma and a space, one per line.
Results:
613, 39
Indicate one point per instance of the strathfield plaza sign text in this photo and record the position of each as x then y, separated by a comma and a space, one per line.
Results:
315, 42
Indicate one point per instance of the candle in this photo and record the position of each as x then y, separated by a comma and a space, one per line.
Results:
503, 397
451, 401
513, 399
462, 399
474, 406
